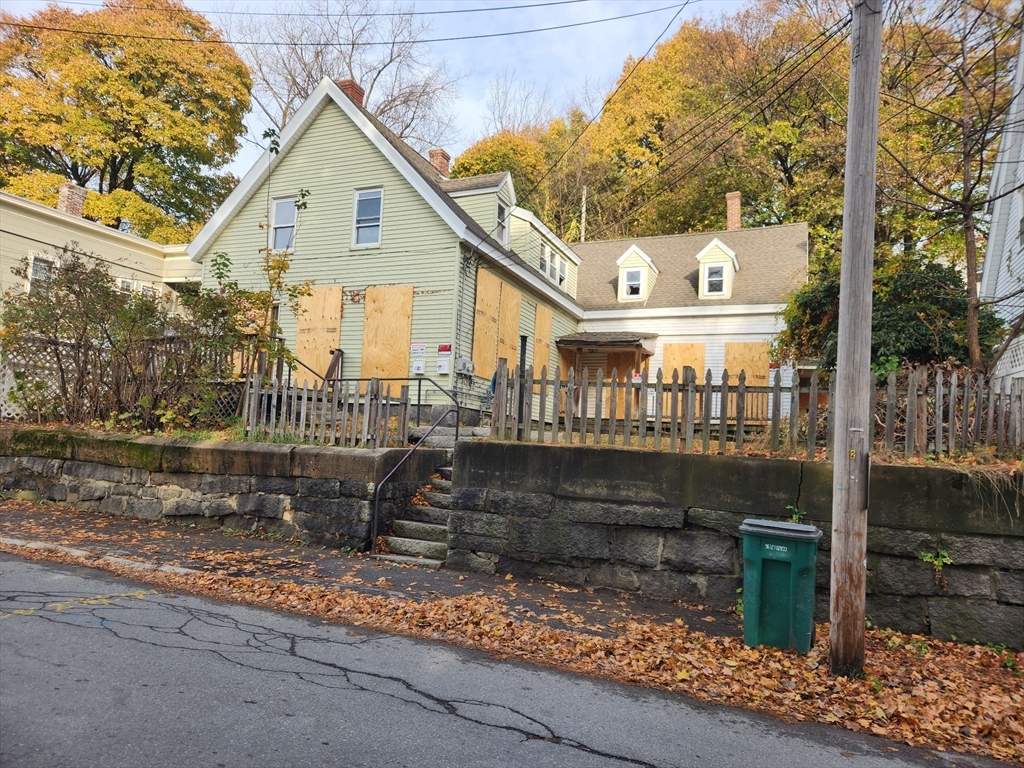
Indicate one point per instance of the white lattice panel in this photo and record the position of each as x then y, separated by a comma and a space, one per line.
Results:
8, 410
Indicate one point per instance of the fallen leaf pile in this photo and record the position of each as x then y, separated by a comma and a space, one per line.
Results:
916, 690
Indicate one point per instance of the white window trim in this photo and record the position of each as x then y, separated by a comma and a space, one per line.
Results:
32, 256
623, 296
355, 213
502, 223
273, 225
131, 287
705, 268
545, 258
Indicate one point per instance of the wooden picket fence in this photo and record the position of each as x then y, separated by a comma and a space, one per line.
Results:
355, 413
944, 412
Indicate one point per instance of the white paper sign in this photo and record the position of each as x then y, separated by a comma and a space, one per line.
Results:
418, 350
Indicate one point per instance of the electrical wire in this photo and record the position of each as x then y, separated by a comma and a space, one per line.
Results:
194, 41
362, 15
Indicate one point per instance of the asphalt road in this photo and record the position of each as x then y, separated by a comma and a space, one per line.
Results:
100, 671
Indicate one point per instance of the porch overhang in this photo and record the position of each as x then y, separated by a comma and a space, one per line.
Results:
641, 343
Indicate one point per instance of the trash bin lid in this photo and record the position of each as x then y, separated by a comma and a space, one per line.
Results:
781, 530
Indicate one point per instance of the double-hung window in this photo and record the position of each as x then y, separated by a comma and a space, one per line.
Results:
369, 205
282, 225
545, 256
562, 273
634, 284
502, 229
715, 283
40, 272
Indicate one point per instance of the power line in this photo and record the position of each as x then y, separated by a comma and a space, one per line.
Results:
371, 14
664, 171
125, 36
603, 106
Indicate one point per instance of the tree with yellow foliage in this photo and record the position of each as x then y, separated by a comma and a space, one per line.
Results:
145, 101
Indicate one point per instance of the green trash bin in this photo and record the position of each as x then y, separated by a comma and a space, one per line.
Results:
778, 584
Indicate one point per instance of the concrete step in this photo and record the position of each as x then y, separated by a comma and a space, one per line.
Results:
422, 562
426, 515
438, 500
414, 529
465, 433
441, 486
416, 548
445, 472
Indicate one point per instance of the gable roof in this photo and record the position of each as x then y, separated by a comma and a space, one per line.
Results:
487, 182
716, 243
416, 170
635, 249
774, 263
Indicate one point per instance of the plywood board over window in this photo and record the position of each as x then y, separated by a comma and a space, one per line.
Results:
318, 327
485, 323
508, 324
751, 357
675, 357
387, 333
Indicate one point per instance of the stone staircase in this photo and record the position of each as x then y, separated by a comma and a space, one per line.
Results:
420, 535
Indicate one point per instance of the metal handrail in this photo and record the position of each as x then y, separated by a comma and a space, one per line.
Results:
376, 490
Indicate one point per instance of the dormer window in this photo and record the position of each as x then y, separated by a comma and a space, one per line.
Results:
634, 284
637, 274
717, 265
562, 272
544, 258
715, 280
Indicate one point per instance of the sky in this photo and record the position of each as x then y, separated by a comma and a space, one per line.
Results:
564, 62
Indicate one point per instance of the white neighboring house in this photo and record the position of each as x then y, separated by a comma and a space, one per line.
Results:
40, 234
705, 300
1003, 273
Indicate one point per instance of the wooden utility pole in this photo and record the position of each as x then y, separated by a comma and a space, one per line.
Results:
854, 384
583, 217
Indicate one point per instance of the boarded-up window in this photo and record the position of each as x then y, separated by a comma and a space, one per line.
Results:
318, 327
620, 363
387, 333
496, 323
675, 357
485, 323
751, 357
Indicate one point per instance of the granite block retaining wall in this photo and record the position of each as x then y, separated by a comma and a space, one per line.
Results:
323, 495
667, 525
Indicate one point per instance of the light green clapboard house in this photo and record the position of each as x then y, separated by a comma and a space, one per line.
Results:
416, 275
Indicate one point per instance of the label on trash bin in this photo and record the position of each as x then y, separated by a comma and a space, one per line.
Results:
776, 547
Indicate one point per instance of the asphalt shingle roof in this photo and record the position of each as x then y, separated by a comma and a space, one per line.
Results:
773, 262
484, 181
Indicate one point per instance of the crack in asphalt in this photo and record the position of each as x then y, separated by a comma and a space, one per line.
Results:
168, 624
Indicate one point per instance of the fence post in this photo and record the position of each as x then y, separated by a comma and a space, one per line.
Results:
584, 397
940, 412
979, 409
794, 410
690, 375
673, 434
890, 412
965, 413
921, 440
830, 425
403, 417
952, 412
911, 410
613, 405
556, 386
659, 392
599, 406
543, 402
812, 416
570, 403
776, 408
627, 410
709, 389
641, 411
527, 408
723, 412
741, 410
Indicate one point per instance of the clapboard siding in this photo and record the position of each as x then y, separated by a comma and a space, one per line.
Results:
29, 227
332, 160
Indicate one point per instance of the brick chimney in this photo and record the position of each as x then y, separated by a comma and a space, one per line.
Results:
71, 199
441, 160
353, 90
732, 211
